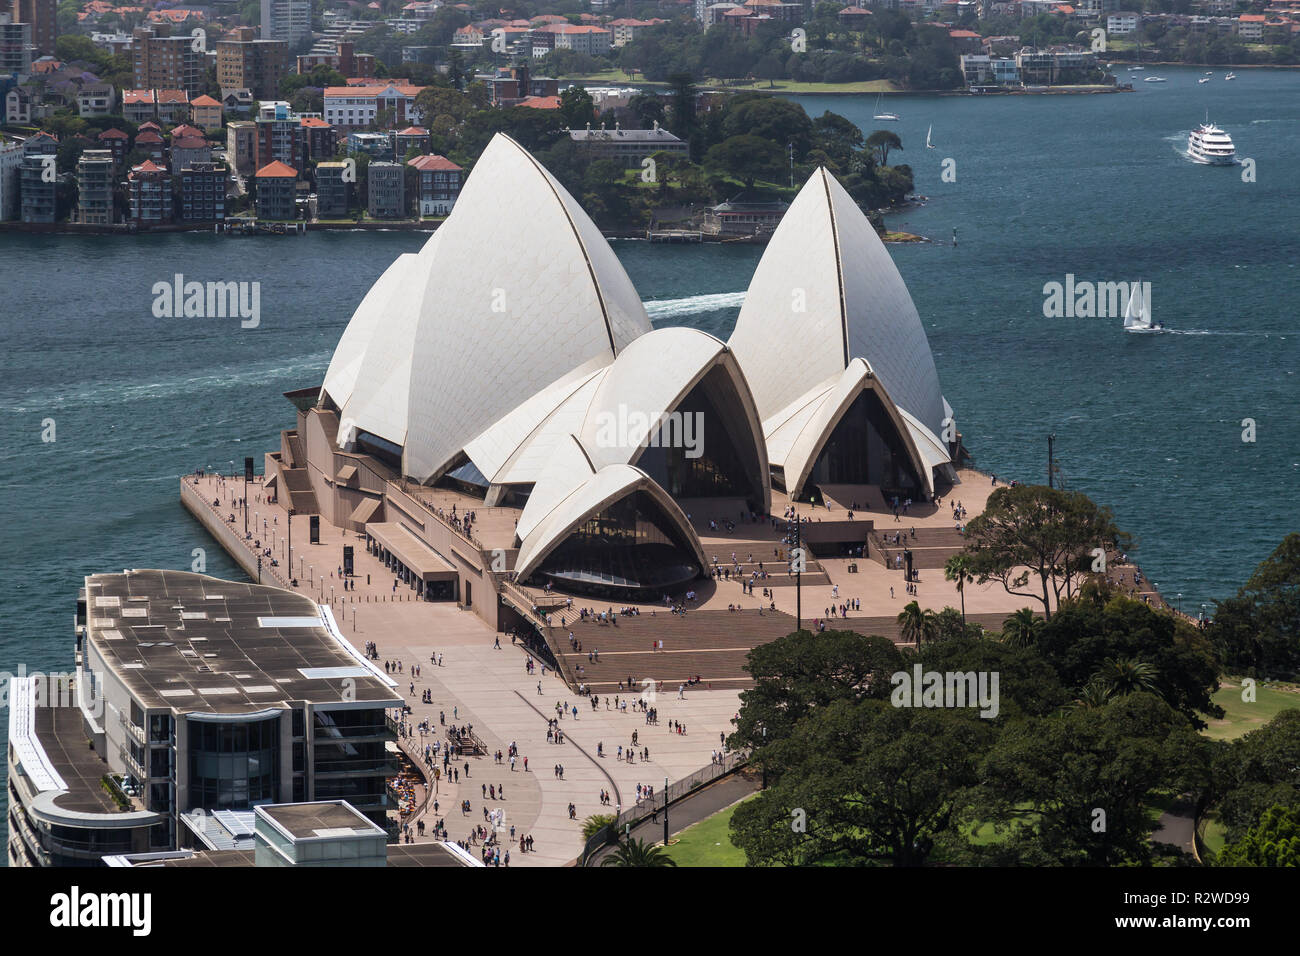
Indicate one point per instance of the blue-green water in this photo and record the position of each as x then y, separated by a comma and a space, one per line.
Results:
1091, 185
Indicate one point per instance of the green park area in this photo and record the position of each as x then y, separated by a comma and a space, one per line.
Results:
708, 843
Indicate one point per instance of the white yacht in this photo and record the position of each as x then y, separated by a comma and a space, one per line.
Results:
1204, 79
1154, 79
1137, 314
1211, 145
1231, 76
884, 115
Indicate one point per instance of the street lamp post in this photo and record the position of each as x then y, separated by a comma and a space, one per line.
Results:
288, 523
665, 811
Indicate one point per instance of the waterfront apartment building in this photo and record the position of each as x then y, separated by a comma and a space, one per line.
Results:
188, 149
333, 189
11, 161
980, 69
378, 146
203, 192
1054, 65
286, 20
197, 696
628, 147
280, 136
38, 178
319, 139
164, 62
16, 47
438, 182
116, 142
149, 194
95, 187
42, 16
277, 190
245, 62
241, 145
386, 190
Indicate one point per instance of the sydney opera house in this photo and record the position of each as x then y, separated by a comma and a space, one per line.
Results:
500, 411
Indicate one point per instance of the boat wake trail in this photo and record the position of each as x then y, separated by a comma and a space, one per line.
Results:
660, 309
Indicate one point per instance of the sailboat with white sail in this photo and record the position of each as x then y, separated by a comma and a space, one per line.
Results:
884, 114
1137, 314
928, 144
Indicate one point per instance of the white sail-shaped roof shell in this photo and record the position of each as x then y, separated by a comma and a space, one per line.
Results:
651, 377
516, 291
826, 291
591, 493
379, 307
523, 290
796, 435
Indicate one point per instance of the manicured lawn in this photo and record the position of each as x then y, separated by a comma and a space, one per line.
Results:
708, 843
1271, 698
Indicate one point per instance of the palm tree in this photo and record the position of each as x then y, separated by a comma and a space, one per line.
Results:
958, 569
638, 853
1021, 629
1093, 696
915, 625
1127, 675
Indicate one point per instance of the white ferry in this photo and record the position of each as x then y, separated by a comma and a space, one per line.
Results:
1211, 145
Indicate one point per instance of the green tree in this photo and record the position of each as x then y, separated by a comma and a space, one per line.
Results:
916, 626
1274, 841
1034, 530
638, 853
958, 568
1125, 675
1257, 771
747, 157
1259, 630
881, 142
863, 782
803, 672
1021, 628
1084, 634
1089, 775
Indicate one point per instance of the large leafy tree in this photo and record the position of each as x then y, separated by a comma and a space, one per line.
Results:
748, 157
1034, 531
1259, 629
1080, 639
1257, 771
1026, 684
1274, 841
1089, 775
863, 782
803, 672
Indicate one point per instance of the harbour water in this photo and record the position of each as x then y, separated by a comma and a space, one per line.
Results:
1093, 186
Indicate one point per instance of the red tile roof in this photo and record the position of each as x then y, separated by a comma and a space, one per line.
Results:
148, 166
315, 122
204, 100
432, 161
173, 96
277, 170
541, 102
414, 131
113, 134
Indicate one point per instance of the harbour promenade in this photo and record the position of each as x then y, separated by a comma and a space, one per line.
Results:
479, 685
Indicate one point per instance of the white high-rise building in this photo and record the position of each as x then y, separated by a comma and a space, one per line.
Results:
11, 158
288, 20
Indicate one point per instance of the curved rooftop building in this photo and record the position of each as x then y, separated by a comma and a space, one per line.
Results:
836, 356
510, 368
